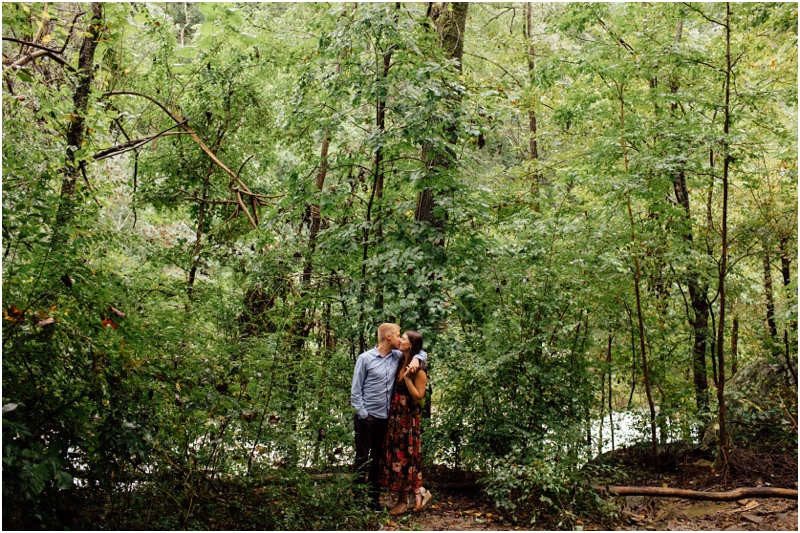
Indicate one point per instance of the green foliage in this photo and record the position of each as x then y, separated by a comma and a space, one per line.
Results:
180, 337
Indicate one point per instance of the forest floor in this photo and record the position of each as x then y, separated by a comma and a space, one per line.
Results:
459, 511
453, 508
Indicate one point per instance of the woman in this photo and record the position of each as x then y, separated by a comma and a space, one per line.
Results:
400, 466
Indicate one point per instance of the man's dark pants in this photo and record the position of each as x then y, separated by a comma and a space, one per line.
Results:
370, 432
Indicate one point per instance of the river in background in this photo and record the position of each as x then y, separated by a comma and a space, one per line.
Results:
631, 427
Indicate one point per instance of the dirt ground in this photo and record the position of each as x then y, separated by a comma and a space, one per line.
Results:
459, 511
472, 511
663, 514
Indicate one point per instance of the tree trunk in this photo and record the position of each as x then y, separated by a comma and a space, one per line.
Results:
533, 146
316, 218
450, 25
76, 127
198, 236
786, 272
610, 403
697, 296
636, 278
770, 302
734, 345
722, 443
697, 293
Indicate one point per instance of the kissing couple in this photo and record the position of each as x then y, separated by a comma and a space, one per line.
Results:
388, 385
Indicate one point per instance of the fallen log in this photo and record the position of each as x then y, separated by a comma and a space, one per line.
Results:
727, 496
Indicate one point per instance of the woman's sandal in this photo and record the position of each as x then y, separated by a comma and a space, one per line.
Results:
426, 497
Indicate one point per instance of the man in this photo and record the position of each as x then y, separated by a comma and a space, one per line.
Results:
371, 396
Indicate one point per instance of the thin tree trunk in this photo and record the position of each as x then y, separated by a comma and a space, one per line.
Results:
697, 293
76, 128
532, 141
450, 26
722, 444
198, 245
610, 403
637, 276
786, 272
316, 218
770, 302
734, 345
633, 354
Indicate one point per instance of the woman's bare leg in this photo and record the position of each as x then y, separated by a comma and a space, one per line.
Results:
401, 505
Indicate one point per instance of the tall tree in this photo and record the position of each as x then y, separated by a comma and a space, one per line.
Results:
451, 21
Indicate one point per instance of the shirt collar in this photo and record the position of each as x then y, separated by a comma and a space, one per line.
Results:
374, 351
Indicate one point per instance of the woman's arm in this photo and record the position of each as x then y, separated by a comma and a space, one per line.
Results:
416, 384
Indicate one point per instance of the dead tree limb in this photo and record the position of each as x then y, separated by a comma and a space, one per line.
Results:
727, 496
245, 190
40, 53
132, 144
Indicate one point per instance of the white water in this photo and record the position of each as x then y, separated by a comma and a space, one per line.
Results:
631, 427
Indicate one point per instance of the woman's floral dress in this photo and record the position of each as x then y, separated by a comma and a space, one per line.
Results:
400, 465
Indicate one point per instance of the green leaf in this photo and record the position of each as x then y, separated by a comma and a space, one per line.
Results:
63, 480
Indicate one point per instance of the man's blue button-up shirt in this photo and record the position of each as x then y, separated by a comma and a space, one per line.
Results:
373, 382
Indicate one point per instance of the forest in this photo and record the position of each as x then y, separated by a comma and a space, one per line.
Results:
588, 210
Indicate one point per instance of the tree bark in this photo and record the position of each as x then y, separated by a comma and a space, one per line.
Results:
316, 218
76, 128
734, 345
198, 245
450, 25
786, 272
636, 278
697, 292
532, 141
770, 301
722, 442
610, 403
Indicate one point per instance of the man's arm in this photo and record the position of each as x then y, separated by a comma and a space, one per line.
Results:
356, 396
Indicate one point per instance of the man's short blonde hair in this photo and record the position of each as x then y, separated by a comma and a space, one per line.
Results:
385, 329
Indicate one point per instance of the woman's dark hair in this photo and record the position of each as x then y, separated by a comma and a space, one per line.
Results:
416, 346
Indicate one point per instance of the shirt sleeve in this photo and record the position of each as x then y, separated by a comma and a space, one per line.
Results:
422, 355
356, 394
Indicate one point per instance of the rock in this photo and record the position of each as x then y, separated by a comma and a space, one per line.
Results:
734, 527
632, 501
703, 510
751, 505
672, 515
752, 518
703, 463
